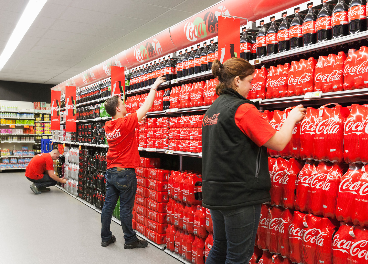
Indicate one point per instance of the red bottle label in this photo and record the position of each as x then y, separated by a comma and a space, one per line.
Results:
283, 35
211, 57
323, 23
191, 63
179, 66
170, 70
295, 31
309, 27
197, 62
186, 65
254, 48
204, 60
339, 18
271, 38
261, 42
357, 12
245, 47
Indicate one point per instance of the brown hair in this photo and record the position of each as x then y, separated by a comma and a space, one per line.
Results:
229, 70
111, 104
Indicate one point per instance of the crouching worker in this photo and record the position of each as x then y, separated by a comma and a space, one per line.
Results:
40, 171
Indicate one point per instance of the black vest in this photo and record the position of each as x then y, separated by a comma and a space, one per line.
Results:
234, 169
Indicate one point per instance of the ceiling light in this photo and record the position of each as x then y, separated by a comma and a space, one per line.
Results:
32, 10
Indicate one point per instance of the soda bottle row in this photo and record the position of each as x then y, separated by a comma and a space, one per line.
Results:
133, 103
98, 90
330, 22
185, 187
265, 257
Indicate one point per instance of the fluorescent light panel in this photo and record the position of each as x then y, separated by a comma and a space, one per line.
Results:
29, 15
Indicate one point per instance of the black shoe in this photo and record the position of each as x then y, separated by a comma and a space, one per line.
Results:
44, 189
34, 189
108, 242
137, 244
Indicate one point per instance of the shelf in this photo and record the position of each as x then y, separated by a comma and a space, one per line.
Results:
81, 144
42, 121
4, 157
42, 112
16, 118
13, 169
30, 142
19, 111
179, 110
171, 152
19, 135
176, 256
313, 47
93, 101
15, 125
147, 88
93, 119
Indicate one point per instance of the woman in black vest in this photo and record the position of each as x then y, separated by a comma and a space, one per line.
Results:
236, 179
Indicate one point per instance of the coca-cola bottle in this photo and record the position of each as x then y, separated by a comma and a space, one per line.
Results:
357, 16
253, 52
309, 27
191, 61
179, 65
261, 41
185, 63
283, 38
245, 46
296, 31
197, 60
339, 20
211, 55
204, 57
323, 23
271, 38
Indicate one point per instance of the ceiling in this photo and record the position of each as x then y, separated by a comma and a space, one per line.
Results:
71, 36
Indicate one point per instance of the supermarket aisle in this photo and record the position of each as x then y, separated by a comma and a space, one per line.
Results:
56, 228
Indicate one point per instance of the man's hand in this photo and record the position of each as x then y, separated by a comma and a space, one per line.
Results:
158, 82
297, 114
63, 181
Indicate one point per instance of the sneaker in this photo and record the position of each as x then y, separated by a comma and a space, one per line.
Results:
44, 189
137, 244
34, 189
108, 242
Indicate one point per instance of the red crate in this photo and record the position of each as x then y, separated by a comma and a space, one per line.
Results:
140, 219
139, 171
159, 175
161, 197
141, 181
155, 237
156, 216
140, 209
155, 206
157, 227
157, 185
141, 191
134, 224
141, 228
140, 200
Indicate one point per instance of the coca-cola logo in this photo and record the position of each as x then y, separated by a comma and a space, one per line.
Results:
304, 180
339, 18
323, 23
113, 135
335, 75
257, 85
356, 12
328, 126
309, 27
314, 236
283, 35
355, 127
295, 31
305, 77
318, 182
276, 83
350, 247
274, 224
281, 177
295, 232
357, 188
275, 125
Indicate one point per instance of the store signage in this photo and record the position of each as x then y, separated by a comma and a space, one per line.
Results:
228, 38
55, 110
70, 108
118, 81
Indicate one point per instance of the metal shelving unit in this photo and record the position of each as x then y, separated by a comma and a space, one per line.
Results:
4, 157
93, 119
92, 102
31, 142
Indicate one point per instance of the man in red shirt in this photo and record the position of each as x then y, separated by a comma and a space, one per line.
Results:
40, 171
122, 159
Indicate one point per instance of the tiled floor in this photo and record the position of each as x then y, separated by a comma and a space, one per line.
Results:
55, 228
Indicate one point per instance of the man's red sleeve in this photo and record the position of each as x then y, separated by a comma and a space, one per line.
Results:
251, 123
130, 122
49, 163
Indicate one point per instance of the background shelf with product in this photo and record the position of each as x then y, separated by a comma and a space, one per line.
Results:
20, 134
314, 66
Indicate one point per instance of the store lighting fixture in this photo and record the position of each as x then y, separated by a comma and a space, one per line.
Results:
29, 15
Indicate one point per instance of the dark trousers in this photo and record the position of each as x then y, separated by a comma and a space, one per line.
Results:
121, 184
45, 181
234, 234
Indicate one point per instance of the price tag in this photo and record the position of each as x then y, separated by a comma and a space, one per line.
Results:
12, 126
140, 148
26, 126
174, 81
311, 95
151, 149
256, 100
172, 110
169, 152
200, 155
80, 147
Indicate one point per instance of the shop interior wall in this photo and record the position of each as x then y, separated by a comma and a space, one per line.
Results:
28, 92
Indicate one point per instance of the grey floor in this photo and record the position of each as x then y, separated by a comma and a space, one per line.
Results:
56, 228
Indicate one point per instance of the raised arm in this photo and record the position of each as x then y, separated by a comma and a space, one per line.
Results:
142, 111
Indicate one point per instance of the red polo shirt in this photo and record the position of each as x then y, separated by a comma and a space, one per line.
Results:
39, 165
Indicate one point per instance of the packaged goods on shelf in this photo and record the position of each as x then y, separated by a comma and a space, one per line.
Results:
8, 108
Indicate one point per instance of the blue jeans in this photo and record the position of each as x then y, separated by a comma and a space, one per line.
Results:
124, 184
234, 234
45, 181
